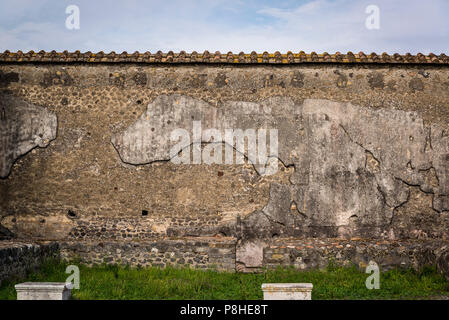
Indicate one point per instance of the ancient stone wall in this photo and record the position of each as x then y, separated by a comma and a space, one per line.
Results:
218, 254
17, 259
363, 151
318, 253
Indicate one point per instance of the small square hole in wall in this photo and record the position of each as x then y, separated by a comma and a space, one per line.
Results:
71, 214
144, 213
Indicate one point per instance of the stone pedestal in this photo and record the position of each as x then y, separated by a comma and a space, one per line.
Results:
43, 291
287, 291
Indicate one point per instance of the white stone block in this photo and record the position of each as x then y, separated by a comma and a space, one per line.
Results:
287, 291
43, 291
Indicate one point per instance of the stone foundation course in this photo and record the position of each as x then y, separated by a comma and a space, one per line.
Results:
18, 258
196, 253
319, 253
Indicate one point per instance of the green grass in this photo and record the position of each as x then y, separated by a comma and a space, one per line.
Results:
113, 282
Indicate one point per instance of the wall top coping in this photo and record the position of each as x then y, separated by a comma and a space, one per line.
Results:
223, 58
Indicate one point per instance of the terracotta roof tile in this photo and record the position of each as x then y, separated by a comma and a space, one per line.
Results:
217, 57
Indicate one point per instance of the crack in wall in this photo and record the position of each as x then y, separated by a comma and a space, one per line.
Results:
348, 168
301, 143
422, 185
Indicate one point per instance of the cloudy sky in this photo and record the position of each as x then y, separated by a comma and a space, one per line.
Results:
226, 25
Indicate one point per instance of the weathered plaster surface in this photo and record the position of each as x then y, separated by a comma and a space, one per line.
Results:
352, 165
363, 150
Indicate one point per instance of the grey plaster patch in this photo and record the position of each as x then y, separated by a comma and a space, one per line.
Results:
249, 254
23, 126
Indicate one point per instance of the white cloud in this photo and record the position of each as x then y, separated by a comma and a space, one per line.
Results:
324, 25
317, 25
